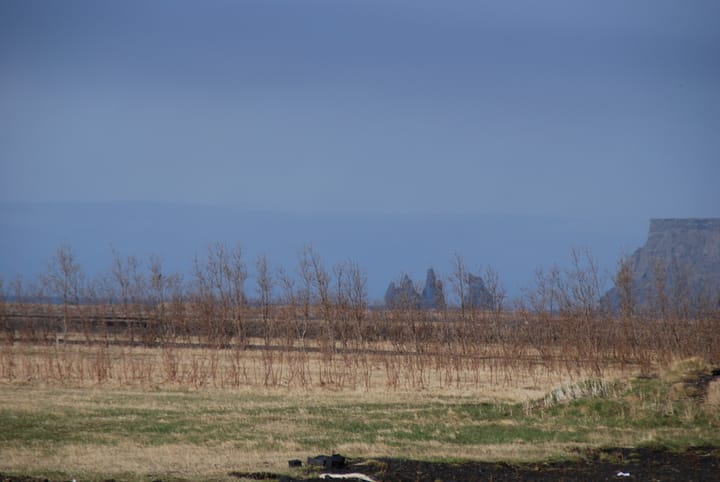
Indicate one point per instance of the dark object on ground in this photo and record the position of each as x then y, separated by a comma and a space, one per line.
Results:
294, 463
334, 461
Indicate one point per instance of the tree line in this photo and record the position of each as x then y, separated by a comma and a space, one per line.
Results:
220, 304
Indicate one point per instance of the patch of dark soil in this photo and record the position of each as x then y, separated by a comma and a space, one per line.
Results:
255, 475
646, 464
700, 464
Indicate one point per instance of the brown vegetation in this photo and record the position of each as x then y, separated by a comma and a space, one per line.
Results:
314, 327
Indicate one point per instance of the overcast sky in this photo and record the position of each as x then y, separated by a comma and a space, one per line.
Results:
554, 107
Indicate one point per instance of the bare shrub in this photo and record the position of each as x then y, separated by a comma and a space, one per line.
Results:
64, 280
219, 282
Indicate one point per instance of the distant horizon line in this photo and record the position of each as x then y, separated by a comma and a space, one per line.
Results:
384, 212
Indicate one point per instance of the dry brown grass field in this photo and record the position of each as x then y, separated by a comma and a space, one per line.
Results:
153, 379
89, 409
298, 369
252, 423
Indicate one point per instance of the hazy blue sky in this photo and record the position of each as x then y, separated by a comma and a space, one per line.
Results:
390, 131
554, 107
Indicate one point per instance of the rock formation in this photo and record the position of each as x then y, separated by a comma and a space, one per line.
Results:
477, 295
433, 296
403, 295
679, 263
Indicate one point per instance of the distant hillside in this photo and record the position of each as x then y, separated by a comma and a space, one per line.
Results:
680, 262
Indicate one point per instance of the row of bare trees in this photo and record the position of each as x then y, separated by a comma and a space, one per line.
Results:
151, 305
566, 317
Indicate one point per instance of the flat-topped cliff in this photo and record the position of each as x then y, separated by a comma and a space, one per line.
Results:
681, 256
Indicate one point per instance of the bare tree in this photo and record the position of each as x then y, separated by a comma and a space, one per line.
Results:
351, 296
130, 283
625, 292
551, 292
220, 292
89, 310
265, 283
584, 283
659, 298
357, 290
106, 294
320, 283
458, 281
164, 300
623, 280
64, 279
290, 300
321, 280
156, 300
495, 289
37, 313
681, 295
178, 320
305, 290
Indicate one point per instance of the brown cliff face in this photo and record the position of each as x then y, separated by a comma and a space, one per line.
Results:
681, 260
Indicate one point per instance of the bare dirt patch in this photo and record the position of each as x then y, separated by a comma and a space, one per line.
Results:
695, 463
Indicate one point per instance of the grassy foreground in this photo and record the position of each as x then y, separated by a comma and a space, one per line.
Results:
171, 433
